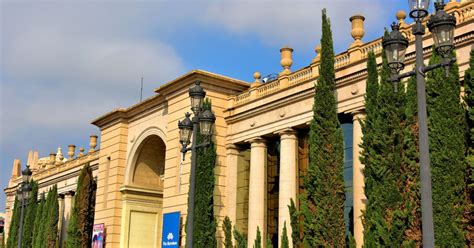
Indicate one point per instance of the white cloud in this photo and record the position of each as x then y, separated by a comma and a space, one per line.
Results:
63, 65
293, 23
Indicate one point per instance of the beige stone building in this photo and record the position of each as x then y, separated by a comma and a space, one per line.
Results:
261, 134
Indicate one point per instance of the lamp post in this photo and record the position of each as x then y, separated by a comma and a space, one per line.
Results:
201, 123
442, 26
23, 194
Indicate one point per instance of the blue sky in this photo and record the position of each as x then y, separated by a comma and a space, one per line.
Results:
64, 63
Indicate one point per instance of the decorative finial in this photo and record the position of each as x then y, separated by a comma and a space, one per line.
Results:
401, 15
256, 82
59, 154
317, 50
439, 5
81, 152
92, 143
71, 151
52, 158
395, 26
286, 59
257, 77
358, 30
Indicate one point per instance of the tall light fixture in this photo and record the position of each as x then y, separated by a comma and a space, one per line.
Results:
23, 193
201, 123
442, 26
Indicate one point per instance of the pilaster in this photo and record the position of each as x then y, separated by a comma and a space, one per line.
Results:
232, 157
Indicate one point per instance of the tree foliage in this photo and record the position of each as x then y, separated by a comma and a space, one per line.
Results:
323, 205
240, 240
82, 216
284, 237
385, 217
205, 226
258, 239
269, 242
38, 221
411, 170
40, 239
469, 101
446, 122
12, 240
295, 224
227, 228
30, 216
51, 227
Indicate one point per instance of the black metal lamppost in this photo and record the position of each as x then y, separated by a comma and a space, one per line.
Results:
23, 193
202, 122
442, 26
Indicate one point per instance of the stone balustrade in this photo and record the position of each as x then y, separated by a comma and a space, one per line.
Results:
79, 161
464, 12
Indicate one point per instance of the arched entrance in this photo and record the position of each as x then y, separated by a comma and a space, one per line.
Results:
142, 194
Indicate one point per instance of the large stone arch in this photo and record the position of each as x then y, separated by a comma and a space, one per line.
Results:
142, 193
137, 146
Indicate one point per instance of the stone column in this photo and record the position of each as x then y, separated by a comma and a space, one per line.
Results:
61, 226
257, 190
68, 204
231, 181
358, 179
288, 167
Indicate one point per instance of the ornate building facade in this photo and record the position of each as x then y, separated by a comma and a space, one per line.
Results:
261, 135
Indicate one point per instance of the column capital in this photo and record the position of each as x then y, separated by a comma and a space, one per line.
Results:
358, 114
257, 142
61, 196
287, 133
232, 149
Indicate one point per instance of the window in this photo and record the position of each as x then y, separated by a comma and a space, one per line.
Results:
349, 203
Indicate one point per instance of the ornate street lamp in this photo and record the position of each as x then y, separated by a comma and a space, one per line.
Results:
442, 27
395, 45
202, 122
418, 8
196, 94
23, 193
206, 123
185, 130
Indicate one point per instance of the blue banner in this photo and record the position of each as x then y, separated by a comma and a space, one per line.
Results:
170, 236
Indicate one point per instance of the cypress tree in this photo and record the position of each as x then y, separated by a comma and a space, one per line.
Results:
30, 213
269, 242
324, 184
411, 169
38, 221
53, 218
446, 122
369, 154
12, 240
469, 101
204, 220
295, 224
82, 216
258, 239
43, 225
227, 228
382, 155
284, 237
240, 240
